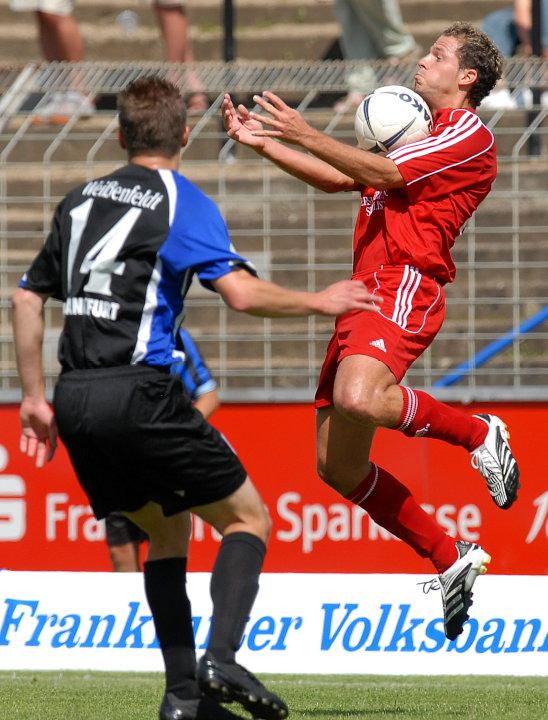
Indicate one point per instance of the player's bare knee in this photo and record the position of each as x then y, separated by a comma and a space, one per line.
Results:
261, 524
362, 407
356, 408
257, 523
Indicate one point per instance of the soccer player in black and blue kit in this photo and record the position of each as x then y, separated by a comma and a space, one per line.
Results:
121, 255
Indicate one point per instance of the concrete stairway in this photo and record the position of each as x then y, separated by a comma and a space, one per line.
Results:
284, 30
251, 186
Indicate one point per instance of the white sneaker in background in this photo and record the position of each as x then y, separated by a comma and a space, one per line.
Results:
61, 106
525, 98
349, 102
499, 99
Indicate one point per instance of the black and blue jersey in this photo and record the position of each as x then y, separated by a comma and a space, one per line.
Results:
121, 255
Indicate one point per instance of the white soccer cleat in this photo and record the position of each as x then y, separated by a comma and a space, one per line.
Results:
456, 585
496, 463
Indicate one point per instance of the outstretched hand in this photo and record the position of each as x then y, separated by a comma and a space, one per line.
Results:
39, 432
346, 295
239, 125
285, 122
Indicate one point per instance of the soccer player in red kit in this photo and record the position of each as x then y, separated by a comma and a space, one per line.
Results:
414, 203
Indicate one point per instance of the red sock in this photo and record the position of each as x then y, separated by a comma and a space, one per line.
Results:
424, 415
392, 506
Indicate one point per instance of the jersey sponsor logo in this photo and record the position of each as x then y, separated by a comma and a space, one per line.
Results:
104, 309
374, 203
379, 344
112, 190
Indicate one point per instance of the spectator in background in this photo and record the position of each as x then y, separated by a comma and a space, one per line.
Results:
510, 29
371, 30
173, 22
123, 536
61, 40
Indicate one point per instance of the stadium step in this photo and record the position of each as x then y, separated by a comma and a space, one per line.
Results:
209, 141
283, 30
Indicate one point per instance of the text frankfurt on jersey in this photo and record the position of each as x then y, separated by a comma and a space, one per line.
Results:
349, 627
94, 307
112, 190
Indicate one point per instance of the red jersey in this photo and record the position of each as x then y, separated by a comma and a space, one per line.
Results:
447, 175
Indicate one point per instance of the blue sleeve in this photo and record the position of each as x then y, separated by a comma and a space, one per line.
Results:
202, 236
194, 372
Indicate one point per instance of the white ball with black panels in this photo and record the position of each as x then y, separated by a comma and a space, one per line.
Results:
390, 117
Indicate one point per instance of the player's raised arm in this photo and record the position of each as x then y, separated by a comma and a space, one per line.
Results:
287, 124
245, 293
247, 131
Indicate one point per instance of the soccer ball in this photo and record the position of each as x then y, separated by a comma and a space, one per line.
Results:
391, 117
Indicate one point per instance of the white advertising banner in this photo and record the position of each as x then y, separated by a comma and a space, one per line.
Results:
301, 623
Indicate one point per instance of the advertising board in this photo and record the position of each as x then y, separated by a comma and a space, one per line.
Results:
47, 524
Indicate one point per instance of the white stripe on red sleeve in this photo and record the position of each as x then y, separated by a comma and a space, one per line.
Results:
428, 140
465, 127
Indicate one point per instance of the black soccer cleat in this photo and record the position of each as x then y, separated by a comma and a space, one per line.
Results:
456, 585
204, 708
496, 463
229, 682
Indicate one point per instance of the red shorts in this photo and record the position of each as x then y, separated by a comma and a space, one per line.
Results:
409, 319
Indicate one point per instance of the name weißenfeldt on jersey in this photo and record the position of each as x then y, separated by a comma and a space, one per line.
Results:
112, 189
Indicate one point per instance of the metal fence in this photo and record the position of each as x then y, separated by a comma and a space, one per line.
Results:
294, 234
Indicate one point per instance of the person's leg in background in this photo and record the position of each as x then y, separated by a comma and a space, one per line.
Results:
370, 30
125, 558
356, 44
500, 27
384, 22
61, 41
123, 540
60, 37
173, 22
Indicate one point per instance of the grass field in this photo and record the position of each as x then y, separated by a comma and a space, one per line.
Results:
136, 696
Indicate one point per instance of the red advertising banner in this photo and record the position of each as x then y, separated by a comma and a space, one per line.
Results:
46, 523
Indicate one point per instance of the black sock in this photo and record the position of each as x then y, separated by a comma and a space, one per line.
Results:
165, 588
234, 586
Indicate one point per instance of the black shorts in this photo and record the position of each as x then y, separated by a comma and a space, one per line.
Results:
134, 436
121, 531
